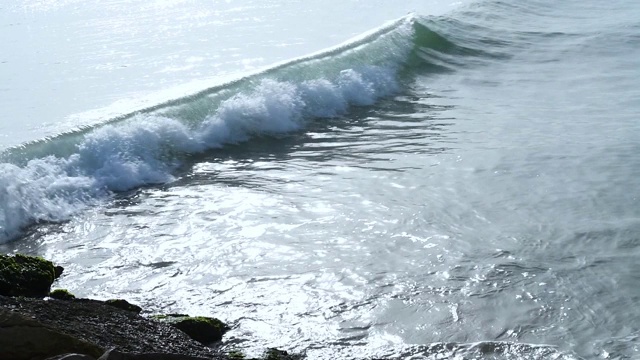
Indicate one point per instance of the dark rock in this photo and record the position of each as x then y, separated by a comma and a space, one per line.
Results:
61, 294
22, 338
58, 270
22, 275
114, 354
107, 327
203, 329
275, 354
72, 357
124, 305
236, 355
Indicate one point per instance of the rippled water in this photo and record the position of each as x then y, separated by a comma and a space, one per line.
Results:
481, 205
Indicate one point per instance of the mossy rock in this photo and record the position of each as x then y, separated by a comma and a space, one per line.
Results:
22, 275
205, 330
269, 354
61, 294
275, 354
236, 355
124, 305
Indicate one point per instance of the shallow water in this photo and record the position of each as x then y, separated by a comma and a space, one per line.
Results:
451, 185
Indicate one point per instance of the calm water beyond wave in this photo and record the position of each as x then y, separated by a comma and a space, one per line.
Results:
425, 180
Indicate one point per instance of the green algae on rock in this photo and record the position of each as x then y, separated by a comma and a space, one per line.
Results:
275, 354
205, 330
236, 355
22, 275
61, 294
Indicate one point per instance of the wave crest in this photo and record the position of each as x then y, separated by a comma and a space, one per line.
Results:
51, 179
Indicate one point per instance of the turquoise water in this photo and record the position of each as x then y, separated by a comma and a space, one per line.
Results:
455, 180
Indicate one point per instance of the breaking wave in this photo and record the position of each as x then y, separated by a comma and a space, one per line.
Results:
51, 179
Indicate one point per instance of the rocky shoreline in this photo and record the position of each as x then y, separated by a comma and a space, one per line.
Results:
36, 324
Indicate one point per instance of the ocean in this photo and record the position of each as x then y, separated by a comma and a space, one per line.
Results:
343, 179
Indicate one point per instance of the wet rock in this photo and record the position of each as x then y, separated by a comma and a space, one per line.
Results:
275, 354
58, 270
114, 354
72, 357
22, 338
94, 322
61, 294
202, 329
124, 305
270, 354
22, 275
236, 355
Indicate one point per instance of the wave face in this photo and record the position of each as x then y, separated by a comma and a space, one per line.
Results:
51, 179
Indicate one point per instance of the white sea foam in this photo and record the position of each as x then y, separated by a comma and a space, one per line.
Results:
52, 179
146, 148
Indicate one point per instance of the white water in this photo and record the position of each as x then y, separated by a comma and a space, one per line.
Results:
144, 149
